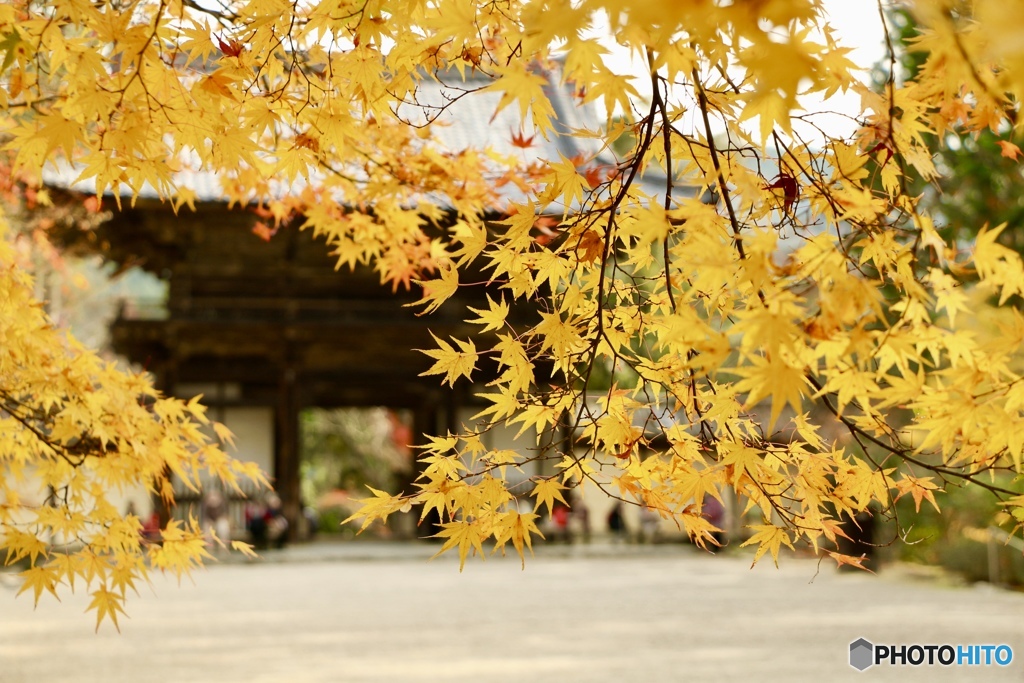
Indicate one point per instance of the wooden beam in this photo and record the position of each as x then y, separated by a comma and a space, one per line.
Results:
286, 452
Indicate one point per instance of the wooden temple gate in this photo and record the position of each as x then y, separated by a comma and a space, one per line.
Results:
266, 329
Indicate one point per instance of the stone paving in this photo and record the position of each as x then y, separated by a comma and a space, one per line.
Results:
378, 612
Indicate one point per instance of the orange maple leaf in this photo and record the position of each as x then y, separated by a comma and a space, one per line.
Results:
472, 55
1010, 150
520, 140
548, 228
592, 246
308, 142
595, 175
264, 231
850, 560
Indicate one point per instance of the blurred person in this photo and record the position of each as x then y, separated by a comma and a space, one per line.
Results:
311, 518
713, 511
579, 518
277, 523
150, 525
649, 523
216, 523
256, 523
617, 523
560, 522
266, 522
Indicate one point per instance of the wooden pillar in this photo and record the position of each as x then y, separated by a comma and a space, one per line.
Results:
451, 417
286, 452
424, 423
165, 377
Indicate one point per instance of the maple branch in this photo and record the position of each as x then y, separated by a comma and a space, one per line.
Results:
1008, 110
639, 152
903, 452
59, 449
226, 16
890, 85
723, 187
140, 56
666, 134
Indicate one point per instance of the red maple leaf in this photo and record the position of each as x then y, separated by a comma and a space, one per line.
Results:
790, 190
882, 145
232, 48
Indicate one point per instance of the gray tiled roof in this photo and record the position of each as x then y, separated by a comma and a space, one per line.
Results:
469, 122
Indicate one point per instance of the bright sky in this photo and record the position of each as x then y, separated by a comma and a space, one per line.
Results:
858, 23
858, 26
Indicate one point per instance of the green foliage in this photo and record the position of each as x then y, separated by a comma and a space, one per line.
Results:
350, 449
979, 177
954, 538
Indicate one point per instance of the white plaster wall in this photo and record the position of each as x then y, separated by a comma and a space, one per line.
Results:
502, 437
253, 428
31, 493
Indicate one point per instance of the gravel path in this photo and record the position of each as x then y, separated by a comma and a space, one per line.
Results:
383, 613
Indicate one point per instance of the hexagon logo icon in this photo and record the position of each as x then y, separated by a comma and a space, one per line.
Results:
862, 654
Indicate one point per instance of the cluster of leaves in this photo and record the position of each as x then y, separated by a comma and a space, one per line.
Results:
795, 327
980, 175
73, 430
818, 288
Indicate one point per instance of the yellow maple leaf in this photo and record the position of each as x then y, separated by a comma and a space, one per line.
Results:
769, 538
468, 536
493, 318
60, 132
771, 109
39, 579
546, 491
518, 83
450, 362
516, 527
919, 488
244, 548
473, 237
504, 404
107, 604
785, 383
448, 466
379, 507
438, 290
